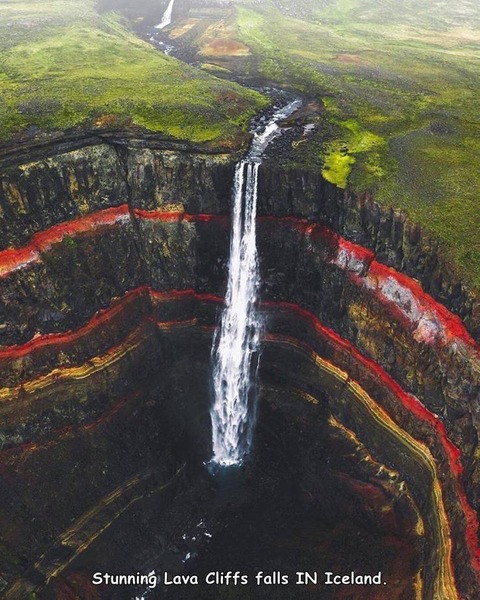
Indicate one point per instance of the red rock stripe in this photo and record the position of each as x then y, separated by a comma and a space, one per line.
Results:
13, 259
66, 338
410, 403
60, 340
450, 327
451, 324
413, 405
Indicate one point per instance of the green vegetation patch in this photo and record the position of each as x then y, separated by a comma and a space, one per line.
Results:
63, 67
399, 82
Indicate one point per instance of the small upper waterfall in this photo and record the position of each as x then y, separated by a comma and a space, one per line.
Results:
237, 339
167, 16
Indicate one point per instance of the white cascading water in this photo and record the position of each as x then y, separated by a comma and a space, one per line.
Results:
236, 343
167, 16
237, 339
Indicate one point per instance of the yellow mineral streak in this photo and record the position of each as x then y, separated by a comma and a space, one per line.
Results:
87, 528
445, 581
95, 521
393, 475
165, 326
439, 529
442, 572
10, 395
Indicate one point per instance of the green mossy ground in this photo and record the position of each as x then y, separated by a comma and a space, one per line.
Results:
63, 65
399, 81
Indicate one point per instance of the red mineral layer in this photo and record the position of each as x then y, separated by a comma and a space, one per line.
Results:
395, 290
353, 257
434, 321
16, 258
61, 340
414, 406
404, 297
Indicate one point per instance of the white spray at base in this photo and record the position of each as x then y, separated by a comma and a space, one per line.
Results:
167, 16
236, 344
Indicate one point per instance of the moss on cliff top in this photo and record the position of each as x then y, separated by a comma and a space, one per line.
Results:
63, 65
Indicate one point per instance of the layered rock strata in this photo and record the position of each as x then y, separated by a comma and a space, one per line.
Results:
108, 252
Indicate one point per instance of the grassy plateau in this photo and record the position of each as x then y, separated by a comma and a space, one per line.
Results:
63, 65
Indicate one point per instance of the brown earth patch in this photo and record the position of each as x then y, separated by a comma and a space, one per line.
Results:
185, 27
225, 47
350, 58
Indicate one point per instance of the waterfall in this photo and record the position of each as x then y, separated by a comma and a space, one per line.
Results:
167, 16
237, 339
236, 343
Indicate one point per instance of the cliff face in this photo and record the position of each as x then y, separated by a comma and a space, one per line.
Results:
114, 255
396, 241
35, 196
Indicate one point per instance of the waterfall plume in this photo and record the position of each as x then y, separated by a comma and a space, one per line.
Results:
236, 345
167, 16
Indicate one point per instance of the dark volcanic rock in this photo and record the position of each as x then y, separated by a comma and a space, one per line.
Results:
120, 398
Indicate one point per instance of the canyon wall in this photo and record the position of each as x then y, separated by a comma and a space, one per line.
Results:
395, 240
109, 247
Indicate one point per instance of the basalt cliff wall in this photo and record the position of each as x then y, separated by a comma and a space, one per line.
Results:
395, 240
76, 179
111, 248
